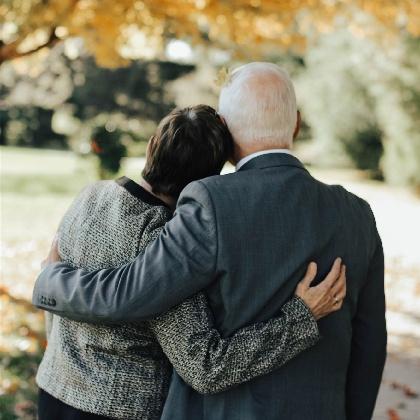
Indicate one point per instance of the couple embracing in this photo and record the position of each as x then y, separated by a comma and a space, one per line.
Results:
257, 295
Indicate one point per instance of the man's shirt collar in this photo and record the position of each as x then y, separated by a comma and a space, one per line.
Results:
246, 159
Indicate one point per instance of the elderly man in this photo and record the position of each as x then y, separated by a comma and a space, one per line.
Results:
232, 236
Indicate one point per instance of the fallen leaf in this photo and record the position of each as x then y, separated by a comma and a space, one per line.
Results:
408, 391
393, 415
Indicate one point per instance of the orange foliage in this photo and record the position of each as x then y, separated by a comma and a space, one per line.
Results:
240, 25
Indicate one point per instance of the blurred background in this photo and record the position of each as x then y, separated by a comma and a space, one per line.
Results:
83, 84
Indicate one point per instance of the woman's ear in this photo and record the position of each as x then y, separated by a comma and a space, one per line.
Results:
297, 127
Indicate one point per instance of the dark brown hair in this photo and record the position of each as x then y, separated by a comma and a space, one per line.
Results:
189, 144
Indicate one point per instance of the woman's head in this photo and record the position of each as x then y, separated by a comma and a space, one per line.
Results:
189, 144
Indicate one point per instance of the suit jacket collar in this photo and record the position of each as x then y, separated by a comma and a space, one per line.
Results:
272, 160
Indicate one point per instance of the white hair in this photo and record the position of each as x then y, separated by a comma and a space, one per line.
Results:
259, 105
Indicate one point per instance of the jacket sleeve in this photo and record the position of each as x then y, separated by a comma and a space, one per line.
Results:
369, 338
179, 263
211, 363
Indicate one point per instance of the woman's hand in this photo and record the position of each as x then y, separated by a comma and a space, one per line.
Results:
53, 254
328, 295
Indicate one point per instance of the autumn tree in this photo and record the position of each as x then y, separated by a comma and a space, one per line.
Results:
365, 102
115, 31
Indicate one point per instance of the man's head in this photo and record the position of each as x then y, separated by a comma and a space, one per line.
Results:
189, 144
259, 106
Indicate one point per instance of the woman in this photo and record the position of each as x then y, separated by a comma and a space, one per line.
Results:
122, 371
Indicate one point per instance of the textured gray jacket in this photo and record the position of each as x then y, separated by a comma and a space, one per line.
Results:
247, 238
122, 371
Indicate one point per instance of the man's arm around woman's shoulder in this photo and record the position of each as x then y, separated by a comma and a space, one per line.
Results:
179, 263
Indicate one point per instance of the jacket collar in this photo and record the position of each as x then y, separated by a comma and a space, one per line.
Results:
272, 160
139, 192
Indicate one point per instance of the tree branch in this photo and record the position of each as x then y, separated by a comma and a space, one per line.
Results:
10, 51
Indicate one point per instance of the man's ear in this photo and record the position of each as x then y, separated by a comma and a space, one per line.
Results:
297, 128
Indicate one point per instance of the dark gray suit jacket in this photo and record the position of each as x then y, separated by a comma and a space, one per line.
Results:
236, 236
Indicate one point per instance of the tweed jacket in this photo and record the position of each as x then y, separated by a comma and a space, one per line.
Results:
123, 371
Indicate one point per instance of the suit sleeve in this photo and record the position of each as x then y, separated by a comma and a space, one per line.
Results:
211, 364
179, 263
369, 338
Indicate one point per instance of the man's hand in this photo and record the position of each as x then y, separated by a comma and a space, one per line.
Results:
53, 255
328, 295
